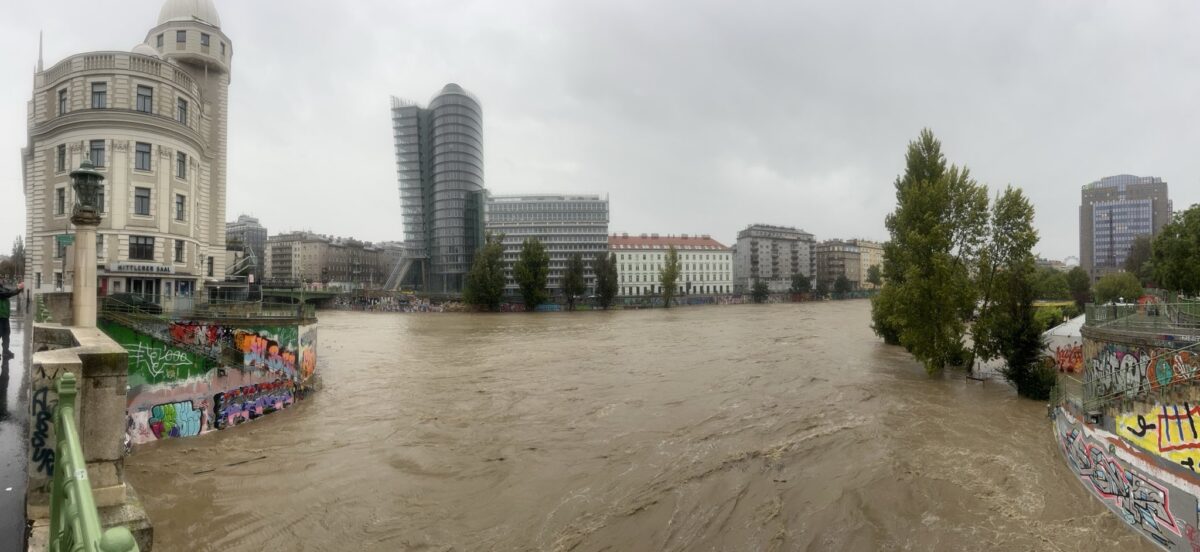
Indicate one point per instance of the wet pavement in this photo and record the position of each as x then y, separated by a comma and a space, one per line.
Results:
13, 427
752, 427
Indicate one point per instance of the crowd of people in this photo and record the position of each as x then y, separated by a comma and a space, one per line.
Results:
395, 304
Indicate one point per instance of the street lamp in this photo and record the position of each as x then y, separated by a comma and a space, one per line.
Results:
85, 215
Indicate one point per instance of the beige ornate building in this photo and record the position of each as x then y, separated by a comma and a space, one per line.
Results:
705, 265
153, 121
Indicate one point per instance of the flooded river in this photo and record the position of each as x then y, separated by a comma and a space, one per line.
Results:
755, 427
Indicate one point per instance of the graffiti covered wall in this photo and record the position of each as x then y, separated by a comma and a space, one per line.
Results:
1118, 369
1156, 503
189, 377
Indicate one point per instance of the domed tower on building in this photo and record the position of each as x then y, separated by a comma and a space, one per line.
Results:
154, 122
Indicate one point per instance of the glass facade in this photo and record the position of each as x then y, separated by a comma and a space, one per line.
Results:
439, 165
564, 224
1116, 210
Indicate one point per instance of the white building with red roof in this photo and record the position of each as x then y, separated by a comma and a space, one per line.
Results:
705, 265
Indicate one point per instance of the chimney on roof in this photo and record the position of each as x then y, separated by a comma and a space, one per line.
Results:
684, 236
644, 236
655, 236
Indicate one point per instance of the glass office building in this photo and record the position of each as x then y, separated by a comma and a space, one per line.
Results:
565, 224
1115, 210
439, 166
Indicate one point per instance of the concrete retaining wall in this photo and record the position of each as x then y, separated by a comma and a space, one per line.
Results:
188, 378
1136, 448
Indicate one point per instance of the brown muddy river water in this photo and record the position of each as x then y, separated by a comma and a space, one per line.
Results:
755, 427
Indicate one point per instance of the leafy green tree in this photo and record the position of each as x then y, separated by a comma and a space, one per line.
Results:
842, 285
875, 275
531, 272
1019, 336
485, 282
937, 231
1139, 261
1176, 253
822, 289
574, 284
1118, 286
605, 267
1006, 267
881, 305
760, 292
1051, 285
800, 283
669, 276
1079, 284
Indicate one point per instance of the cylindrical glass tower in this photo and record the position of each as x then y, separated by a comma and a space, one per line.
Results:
454, 208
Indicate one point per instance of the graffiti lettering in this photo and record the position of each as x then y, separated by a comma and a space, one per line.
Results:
1069, 358
1143, 427
249, 402
175, 420
1141, 502
1119, 370
43, 414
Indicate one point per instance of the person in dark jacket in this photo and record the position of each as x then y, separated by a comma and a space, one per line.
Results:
5, 293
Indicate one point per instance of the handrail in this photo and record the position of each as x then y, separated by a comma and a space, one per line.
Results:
74, 520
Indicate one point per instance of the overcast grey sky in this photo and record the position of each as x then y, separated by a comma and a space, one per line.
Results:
694, 116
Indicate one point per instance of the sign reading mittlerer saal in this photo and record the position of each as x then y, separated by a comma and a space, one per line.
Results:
141, 268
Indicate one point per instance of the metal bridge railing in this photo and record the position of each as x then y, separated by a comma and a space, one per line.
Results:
74, 520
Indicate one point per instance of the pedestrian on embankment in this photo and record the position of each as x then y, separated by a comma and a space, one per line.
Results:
5, 330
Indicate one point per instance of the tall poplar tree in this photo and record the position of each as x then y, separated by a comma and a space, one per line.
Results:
574, 284
485, 282
937, 231
605, 267
531, 272
669, 276
1004, 278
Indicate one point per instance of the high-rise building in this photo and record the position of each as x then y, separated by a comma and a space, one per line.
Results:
771, 254
705, 265
439, 164
1114, 211
250, 238
565, 224
153, 121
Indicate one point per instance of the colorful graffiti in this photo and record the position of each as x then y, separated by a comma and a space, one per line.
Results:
1143, 502
1069, 358
1114, 370
247, 403
1169, 431
177, 387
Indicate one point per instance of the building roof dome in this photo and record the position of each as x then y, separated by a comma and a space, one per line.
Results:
146, 50
189, 10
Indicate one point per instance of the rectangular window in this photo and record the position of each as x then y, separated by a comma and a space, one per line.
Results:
160, 40
100, 198
60, 201
99, 246
62, 101
210, 267
141, 156
99, 95
204, 39
96, 152
179, 251
222, 50
60, 249
58, 280
180, 164
141, 248
180, 207
180, 36
60, 159
141, 201
145, 99
37, 280
181, 110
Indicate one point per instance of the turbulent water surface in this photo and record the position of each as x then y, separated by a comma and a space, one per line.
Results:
757, 427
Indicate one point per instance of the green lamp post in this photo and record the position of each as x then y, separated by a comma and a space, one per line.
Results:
87, 183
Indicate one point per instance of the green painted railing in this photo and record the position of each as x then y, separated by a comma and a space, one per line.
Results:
74, 521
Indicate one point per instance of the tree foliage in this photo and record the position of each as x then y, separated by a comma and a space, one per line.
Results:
1176, 253
1018, 336
669, 276
760, 291
800, 283
1118, 286
875, 275
1139, 261
937, 231
531, 272
1079, 285
1004, 279
574, 283
605, 267
842, 285
1051, 285
485, 282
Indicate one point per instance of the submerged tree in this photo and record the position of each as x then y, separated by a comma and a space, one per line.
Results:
842, 286
669, 276
1004, 277
531, 272
574, 284
605, 267
800, 283
936, 231
485, 282
760, 291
